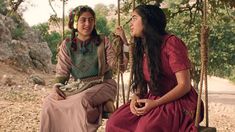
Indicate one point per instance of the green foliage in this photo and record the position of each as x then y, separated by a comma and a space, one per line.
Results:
230, 3
42, 28
112, 24
125, 23
101, 21
190, 34
187, 26
222, 47
101, 25
101, 9
67, 33
3, 5
18, 32
53, 39
232, 77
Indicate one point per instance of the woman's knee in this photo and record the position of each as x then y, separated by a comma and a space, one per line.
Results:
111, 86
111, 122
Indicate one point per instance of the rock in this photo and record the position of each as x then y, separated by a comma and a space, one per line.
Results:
6, 25
25, 52
40, 55
35, 79
19, 86
7, 80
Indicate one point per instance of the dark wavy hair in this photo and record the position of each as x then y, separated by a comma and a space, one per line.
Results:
154, 24
79, 11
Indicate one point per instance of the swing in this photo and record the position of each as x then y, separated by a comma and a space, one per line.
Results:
203, 76
119, 48
117, 42
118, 45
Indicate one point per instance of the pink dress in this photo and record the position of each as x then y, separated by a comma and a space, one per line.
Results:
80, 112
176, 116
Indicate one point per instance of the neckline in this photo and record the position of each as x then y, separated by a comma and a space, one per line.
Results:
85, 41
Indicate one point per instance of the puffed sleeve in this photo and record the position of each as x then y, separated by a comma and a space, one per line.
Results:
177, 54
64, 63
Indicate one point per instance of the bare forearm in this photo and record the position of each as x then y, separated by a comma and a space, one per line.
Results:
183, 87
172, 95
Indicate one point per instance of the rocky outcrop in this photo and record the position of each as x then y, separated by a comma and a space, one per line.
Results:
26, 51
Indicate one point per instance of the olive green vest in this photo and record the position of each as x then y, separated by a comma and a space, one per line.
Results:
91, 63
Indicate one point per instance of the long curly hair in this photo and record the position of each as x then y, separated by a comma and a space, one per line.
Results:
154, 24
72, 24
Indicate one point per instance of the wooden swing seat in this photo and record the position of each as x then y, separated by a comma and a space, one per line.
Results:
206, 129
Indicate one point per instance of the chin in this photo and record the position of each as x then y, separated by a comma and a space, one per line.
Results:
87, 34
133, 35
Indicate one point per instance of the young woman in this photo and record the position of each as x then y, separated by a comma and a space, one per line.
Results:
163, 100
86, 56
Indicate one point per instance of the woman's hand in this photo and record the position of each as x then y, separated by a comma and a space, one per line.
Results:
133, 104
57, 93
120, 32
145, 105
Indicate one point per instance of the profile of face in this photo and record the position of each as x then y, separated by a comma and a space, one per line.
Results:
85, 25
136, 25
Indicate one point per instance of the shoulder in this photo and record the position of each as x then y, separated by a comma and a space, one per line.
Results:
105, 40
65, 43
170, 38
172, 41
103, 37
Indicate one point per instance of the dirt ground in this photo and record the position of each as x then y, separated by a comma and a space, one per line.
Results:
20, 103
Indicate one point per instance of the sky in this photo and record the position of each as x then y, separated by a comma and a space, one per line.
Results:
40, 11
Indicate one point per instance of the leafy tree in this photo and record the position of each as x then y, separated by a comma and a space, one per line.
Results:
222, 47
18, 32
186, 22
53, 39
185, 19
101, 25
14, 5
101, 21
43, 29
3, 7
101, 9
190, 36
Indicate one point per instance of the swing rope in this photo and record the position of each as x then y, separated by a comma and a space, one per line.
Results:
118, 43
204, 64
118, 47
131, 48
63, 19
